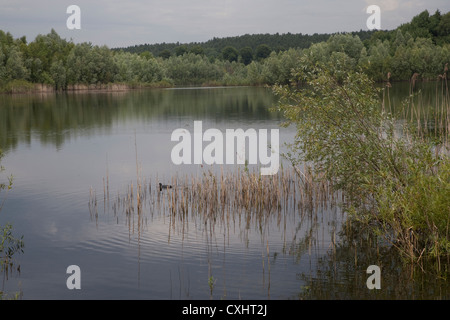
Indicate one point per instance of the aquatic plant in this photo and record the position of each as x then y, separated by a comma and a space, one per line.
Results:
223, 197
393, 179
9, 245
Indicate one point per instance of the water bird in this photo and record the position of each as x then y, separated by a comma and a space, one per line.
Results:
163, 186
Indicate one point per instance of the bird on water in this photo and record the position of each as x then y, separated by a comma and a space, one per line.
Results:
163, 186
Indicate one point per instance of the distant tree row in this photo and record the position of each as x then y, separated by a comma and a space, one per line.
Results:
214, 48
229, 53
421, 47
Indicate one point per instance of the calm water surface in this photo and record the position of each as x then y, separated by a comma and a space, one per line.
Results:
60, 147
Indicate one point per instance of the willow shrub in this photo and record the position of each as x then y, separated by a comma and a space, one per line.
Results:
393, 181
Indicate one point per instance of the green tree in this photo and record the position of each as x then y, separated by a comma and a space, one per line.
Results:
35, 67
180, 50
14, 67
255, 73
399, 40
349, 140
262, 52
379, 60
78, 65
6, 39
197, 50
48, 48
103, 64
318, 52
165, 54
435, 19
230, 54
89, 64
420, 26
135, 68
346, 43
443, 28
277, 68
2, 65
58, 74
146, 55
151, 71
246, 55
401, 68
192, 69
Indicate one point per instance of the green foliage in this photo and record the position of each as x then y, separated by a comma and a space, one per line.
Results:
179, 51
58, 74
378, 61
214, 47
443, 28
135, 68
255, 73
262, 51
420, 47
211, 284
191, 69
336, 121
393, 181
146, 55
230, 54
197, 49
42, 52
165, 54
17, 86
9, 245
14, 65
3, 185
246, 55
346, 43
419, 212
277, 68
419, 26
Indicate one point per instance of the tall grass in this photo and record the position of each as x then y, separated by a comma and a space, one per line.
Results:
227, 198
424, 229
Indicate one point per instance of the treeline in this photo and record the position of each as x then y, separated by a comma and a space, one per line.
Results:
421, 47
213, 48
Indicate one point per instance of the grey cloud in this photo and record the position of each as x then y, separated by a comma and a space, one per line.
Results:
119, 23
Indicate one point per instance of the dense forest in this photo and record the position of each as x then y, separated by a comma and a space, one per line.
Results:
420, 48
214, 47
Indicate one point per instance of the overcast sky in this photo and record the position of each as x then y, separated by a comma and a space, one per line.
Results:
123, 23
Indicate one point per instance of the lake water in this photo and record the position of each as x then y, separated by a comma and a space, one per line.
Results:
63, 148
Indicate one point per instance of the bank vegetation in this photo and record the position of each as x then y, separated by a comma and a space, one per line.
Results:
49, 62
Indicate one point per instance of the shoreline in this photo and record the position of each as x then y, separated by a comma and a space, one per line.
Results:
40, 88
23, 87
37, 88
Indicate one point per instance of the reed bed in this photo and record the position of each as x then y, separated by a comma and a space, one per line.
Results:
431, 120
225, 197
